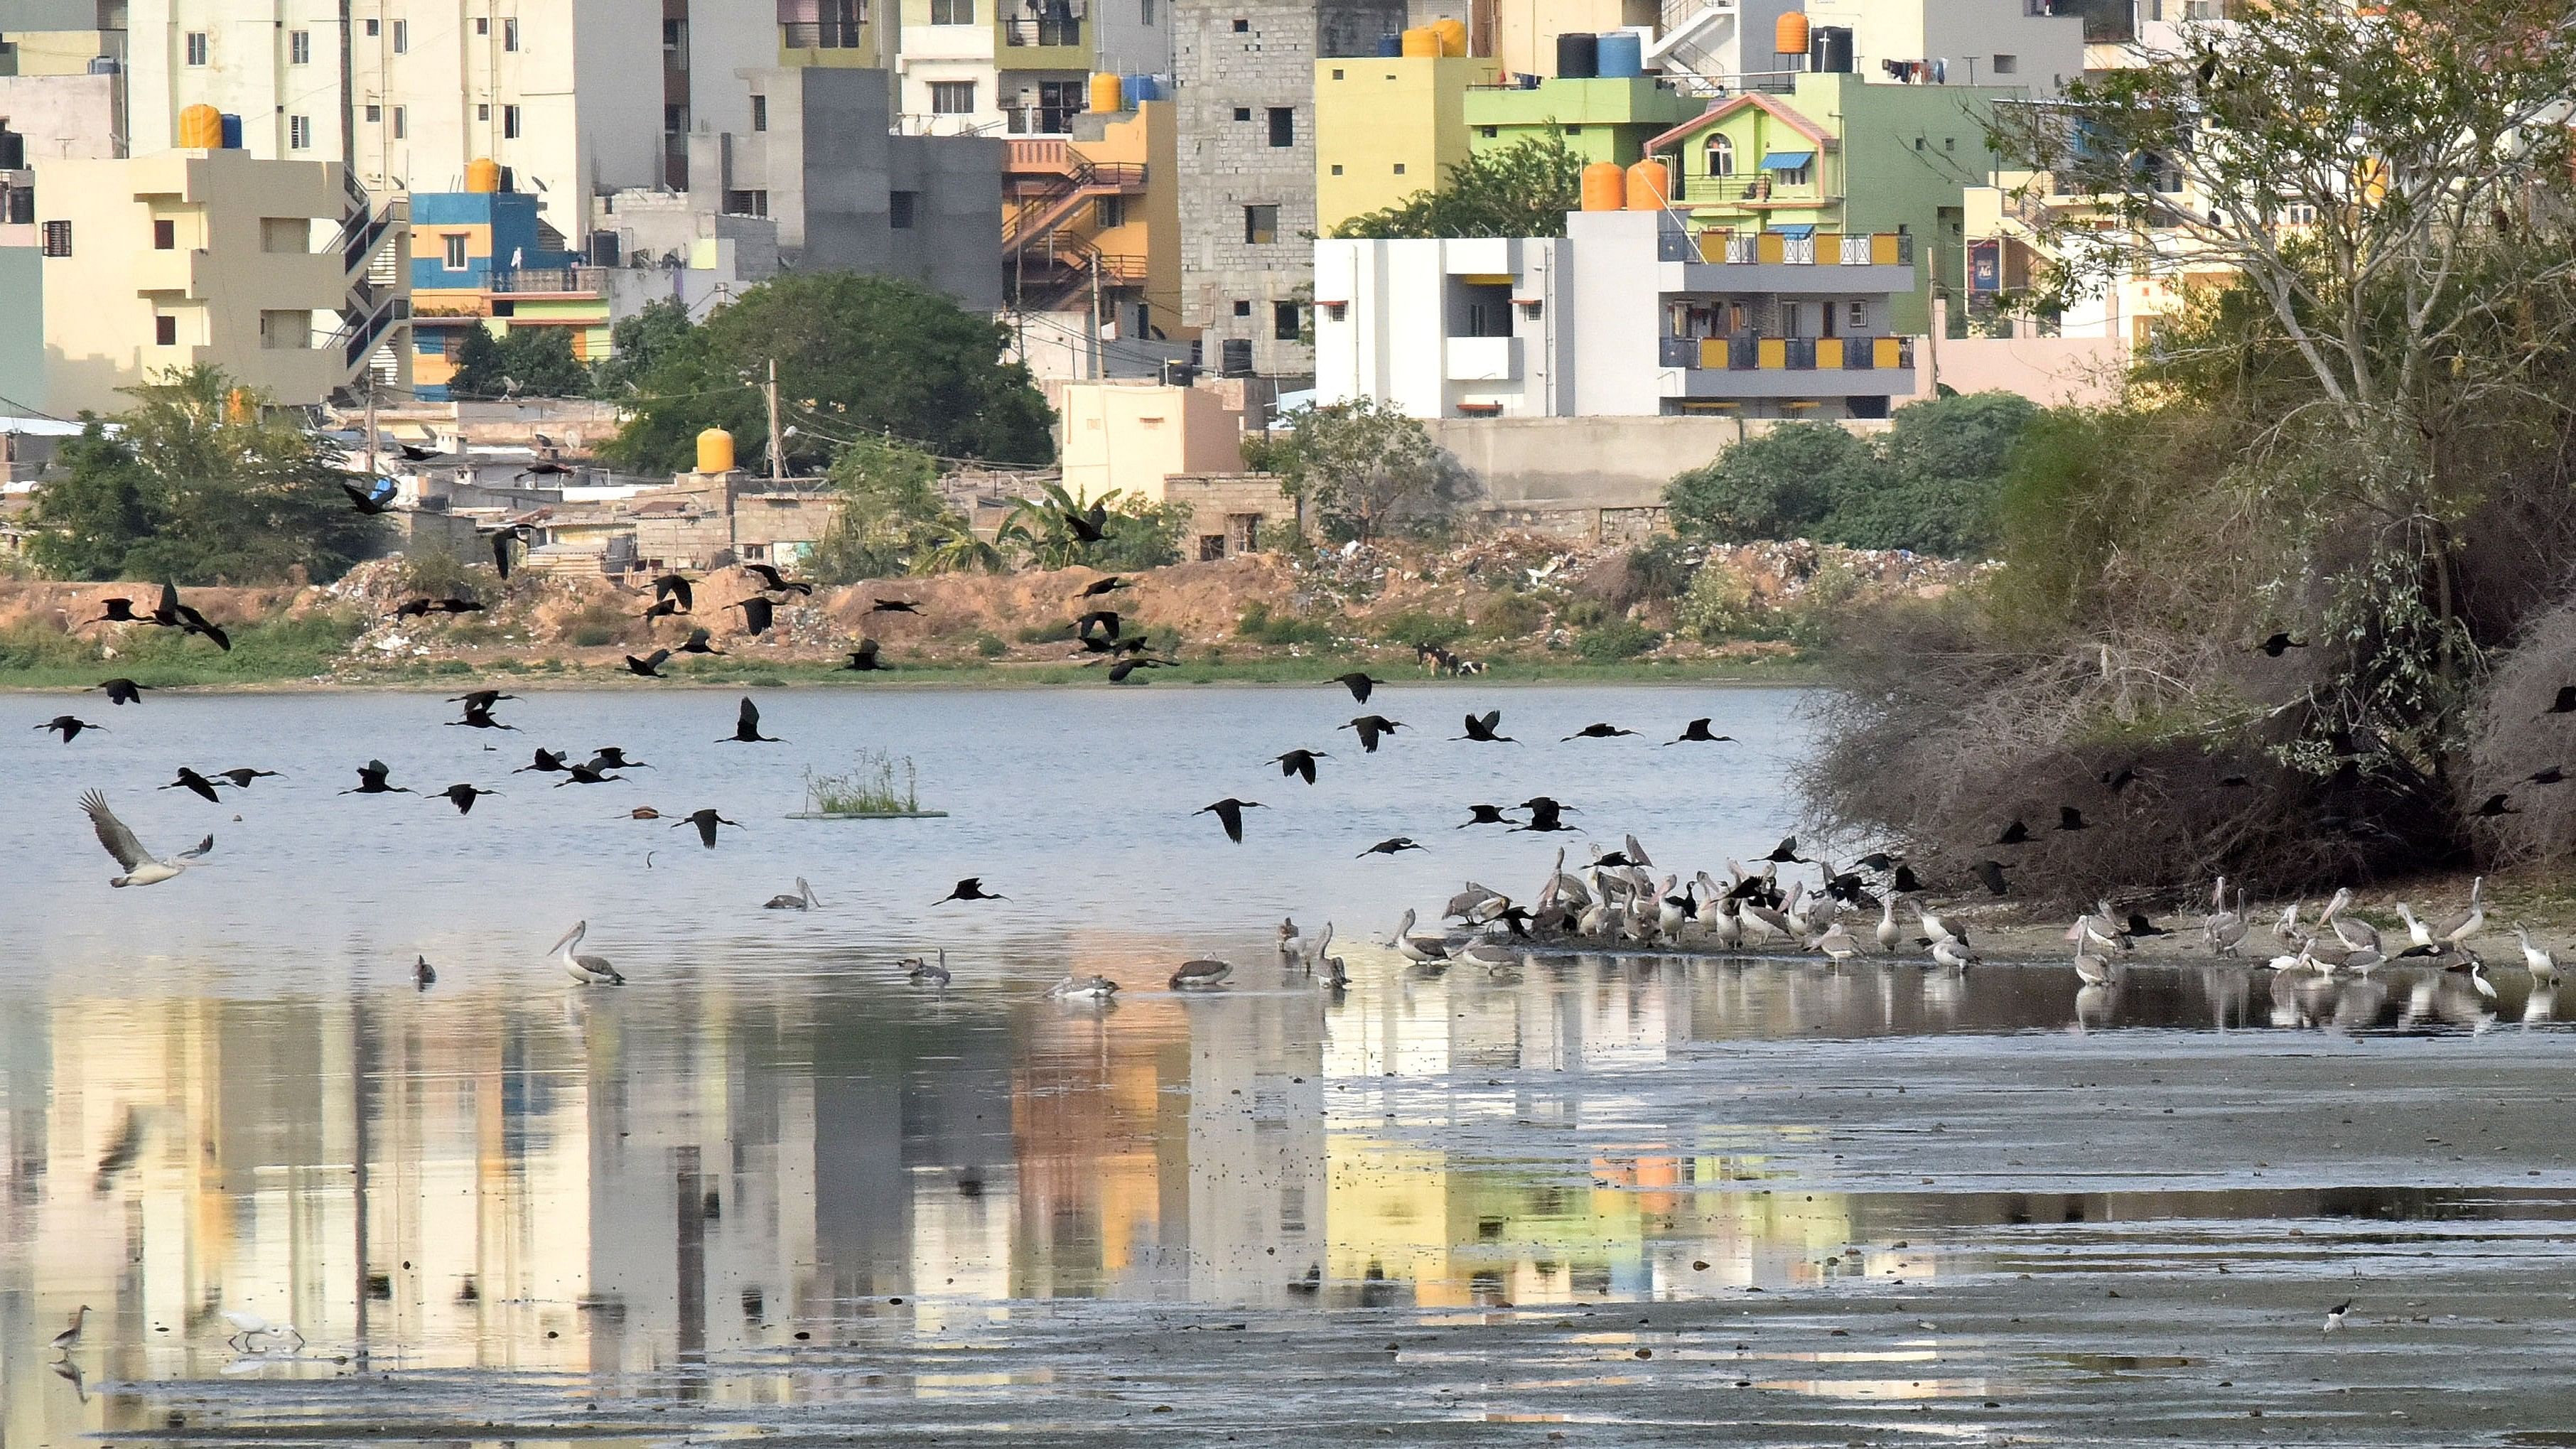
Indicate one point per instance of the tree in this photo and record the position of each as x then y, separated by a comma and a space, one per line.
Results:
1523, 189
1936, 477
1135, 533
891, 515
194, 488
638, 344
523, 362
1357, 464
1780, 484
855, 354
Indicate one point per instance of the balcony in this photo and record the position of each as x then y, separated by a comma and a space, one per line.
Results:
555, 281
1765, 189
1816, 248
1484, 359
822, 35
1750, 365
1052, 30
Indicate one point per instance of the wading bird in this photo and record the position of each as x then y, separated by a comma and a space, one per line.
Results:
585, 775
1597, 732
1371, 727
894, 606
141, 868
1200, 975
70, 726
1300, 763
1543, 814
2542, 965
1481, 727
462, 797
121, 611
757, 614
706, 820
613, 757
69, 1338
547, 763
2564, 703
1229, 813
123, 691
249, 1328
2278, 643
1696, 732
926, 973
1420, 950
697, 644
746, 728
969, 889
2070, 818
1358, 683
423, 975
673, 589
242, 775
194, 783
1484, 815
1100, 587
502, 554
803, 900
2014, 834
1393, 845
1083, 988
864, 658
371, 781
587, 970
364, 501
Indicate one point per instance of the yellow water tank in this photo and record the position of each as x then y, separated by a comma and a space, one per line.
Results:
1453, 34
1105, 92
1789, 33
483, 174
1650, 186
201, 128
1605, 187
715, 451
1422, 40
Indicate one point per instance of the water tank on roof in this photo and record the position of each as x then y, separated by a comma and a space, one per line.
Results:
1650, 186
1421, 41
1453, 34
483, 174
201, 128
1622, 54
1830, 50
1108, 93
1390, 45
1789, 33
715, 451
1605, 187
232, 132
1578, 57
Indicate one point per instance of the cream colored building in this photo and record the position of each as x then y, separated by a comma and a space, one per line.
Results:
1129, 437
212, 256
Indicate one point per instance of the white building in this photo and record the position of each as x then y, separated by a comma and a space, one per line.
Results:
1622, 317
1734, 43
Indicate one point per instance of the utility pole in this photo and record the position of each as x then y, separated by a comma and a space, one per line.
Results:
1099, 352
777, 457
375, 470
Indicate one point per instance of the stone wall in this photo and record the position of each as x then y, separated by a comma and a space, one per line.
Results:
1219, 502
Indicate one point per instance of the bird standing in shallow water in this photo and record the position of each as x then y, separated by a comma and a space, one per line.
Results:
1200, 975
588, 970
69, 1338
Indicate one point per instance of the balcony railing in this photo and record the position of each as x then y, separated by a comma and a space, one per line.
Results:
1040, 120
1749, 352
1764, 187
1045, 30
547, 279
821, 35
1774, 248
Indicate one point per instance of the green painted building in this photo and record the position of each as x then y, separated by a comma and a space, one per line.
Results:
1601, 119
1839, 156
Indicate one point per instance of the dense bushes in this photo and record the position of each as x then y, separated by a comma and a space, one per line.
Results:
1930, 484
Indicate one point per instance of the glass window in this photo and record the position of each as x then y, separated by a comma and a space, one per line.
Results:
900, 206
374, 29
58, 238
1145, 12
952, 98
1242, 307
760, 113
952, 12
375, 114
165, 235
1283, 125
299, 47
299, 133
454, 261
402, 36
1284, 320
509, 32
402, 123
510, 122
2007, 64
196, 47
165, 330
1721, 156
482, 25
1260, 225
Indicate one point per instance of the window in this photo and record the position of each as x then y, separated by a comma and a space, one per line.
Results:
482, 25
165, 330
1242, 27
1283, 125
483, 113
1721, 156
510, 123
454, 261
1260, 225
1574, 130
402, 122
746, 203
900, 206
1399, 168
1337, 74
952, 98
1145, 12
375, 114
196, 47
1108, 212
299, 47
1284, 320
760, 113
1490, 132
952, 12
374, 29
2007, 64
675, 120
1243, 113
58, 238
509, 32
1337, 168
1858, 326
299, 132
1237, 355
165, 235
1242, 308
402, 37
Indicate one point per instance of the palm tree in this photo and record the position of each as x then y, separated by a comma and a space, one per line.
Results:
1043, 525
959, 551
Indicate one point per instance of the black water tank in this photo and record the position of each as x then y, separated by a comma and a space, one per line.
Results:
1829, 50
1578, 57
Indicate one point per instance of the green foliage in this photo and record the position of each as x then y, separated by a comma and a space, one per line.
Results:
1135, 534
990, 645
436, 574
522, 362
283, 648
1140, 535
186, 494
1420, 626
1721, 606
869, 787
1931, 484
1505, 614
638, 344
1258, 624
854, 354
1615, 639
1660, 568
1524, 189
1356, 464
891, 514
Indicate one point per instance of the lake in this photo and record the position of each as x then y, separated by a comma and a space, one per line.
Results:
771, 1188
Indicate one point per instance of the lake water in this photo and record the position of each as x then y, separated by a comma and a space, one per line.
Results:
770, 1187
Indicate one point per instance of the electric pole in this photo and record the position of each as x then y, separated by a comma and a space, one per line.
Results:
777, 456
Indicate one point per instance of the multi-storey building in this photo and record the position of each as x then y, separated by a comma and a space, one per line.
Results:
1387, 127
479, 260
1020, 67
1091, 222
1246, 73
1630, 314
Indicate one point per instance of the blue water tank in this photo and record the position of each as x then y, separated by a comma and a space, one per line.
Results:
1390, 45
232, 132
1131, 89
1622, 54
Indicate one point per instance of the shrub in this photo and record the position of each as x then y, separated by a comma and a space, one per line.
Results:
1615, 639
1779, 485
1660, 568
1259, 625
990, 645
1505, 614
1418, 626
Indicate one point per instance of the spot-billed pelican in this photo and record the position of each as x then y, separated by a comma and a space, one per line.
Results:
588, 970
925, 973
1200, 975
69, 1338
1083, 988
803, 900
141, 867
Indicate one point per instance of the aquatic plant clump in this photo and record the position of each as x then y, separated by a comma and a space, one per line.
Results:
869, 787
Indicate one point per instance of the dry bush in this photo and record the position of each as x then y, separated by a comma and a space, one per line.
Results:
2514, 737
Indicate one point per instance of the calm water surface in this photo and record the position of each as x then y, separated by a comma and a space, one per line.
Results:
224, 1093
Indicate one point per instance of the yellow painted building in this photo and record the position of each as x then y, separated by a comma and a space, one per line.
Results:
1387, 127
1130, 437
1525, 31
208, 255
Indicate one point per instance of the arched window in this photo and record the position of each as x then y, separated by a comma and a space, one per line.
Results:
1721, 156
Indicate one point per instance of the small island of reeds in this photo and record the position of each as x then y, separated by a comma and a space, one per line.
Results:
877, 786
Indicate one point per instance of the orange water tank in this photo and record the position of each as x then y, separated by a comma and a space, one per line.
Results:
238, 408
1650, 186
1105, 92
715, 451
1789, 33
1422, 40
1605, 187
483, 174
1453, 34
201, 128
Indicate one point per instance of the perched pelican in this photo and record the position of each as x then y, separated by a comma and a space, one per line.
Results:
2092, 970
924, 973
2419, 936
1933, 925
1953, 953
1337, 976
2468, 923
1727, 931
803, 900
1200, 975
249, 1328
1887, 931
1836, 943
69, 1338
2543, 966
1420, 950
141, 867
1083, 988
588, 970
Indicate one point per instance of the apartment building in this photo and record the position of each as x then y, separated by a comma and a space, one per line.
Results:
1630, 314
479, 259
276, 271
1091, 222
1020, 67
1387, 127
1245, 104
